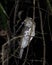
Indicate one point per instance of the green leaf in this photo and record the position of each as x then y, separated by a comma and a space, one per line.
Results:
3, 10
3, 18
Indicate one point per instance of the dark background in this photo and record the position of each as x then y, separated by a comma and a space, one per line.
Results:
36, 45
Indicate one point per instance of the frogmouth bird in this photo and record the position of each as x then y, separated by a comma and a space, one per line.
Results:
28, 33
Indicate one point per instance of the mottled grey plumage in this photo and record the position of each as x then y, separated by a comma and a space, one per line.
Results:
28, 30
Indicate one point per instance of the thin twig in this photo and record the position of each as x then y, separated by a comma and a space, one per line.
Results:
44, 49
34, 10
15, 12
3, 61
49, 27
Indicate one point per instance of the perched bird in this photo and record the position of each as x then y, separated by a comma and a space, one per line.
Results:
28, 33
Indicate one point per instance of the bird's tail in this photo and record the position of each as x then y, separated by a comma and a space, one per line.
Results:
21, 53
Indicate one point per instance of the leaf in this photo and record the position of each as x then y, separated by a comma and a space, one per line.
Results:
3, 10
3, 18
49, 5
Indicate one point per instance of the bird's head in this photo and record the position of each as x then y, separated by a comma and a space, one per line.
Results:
28, 22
